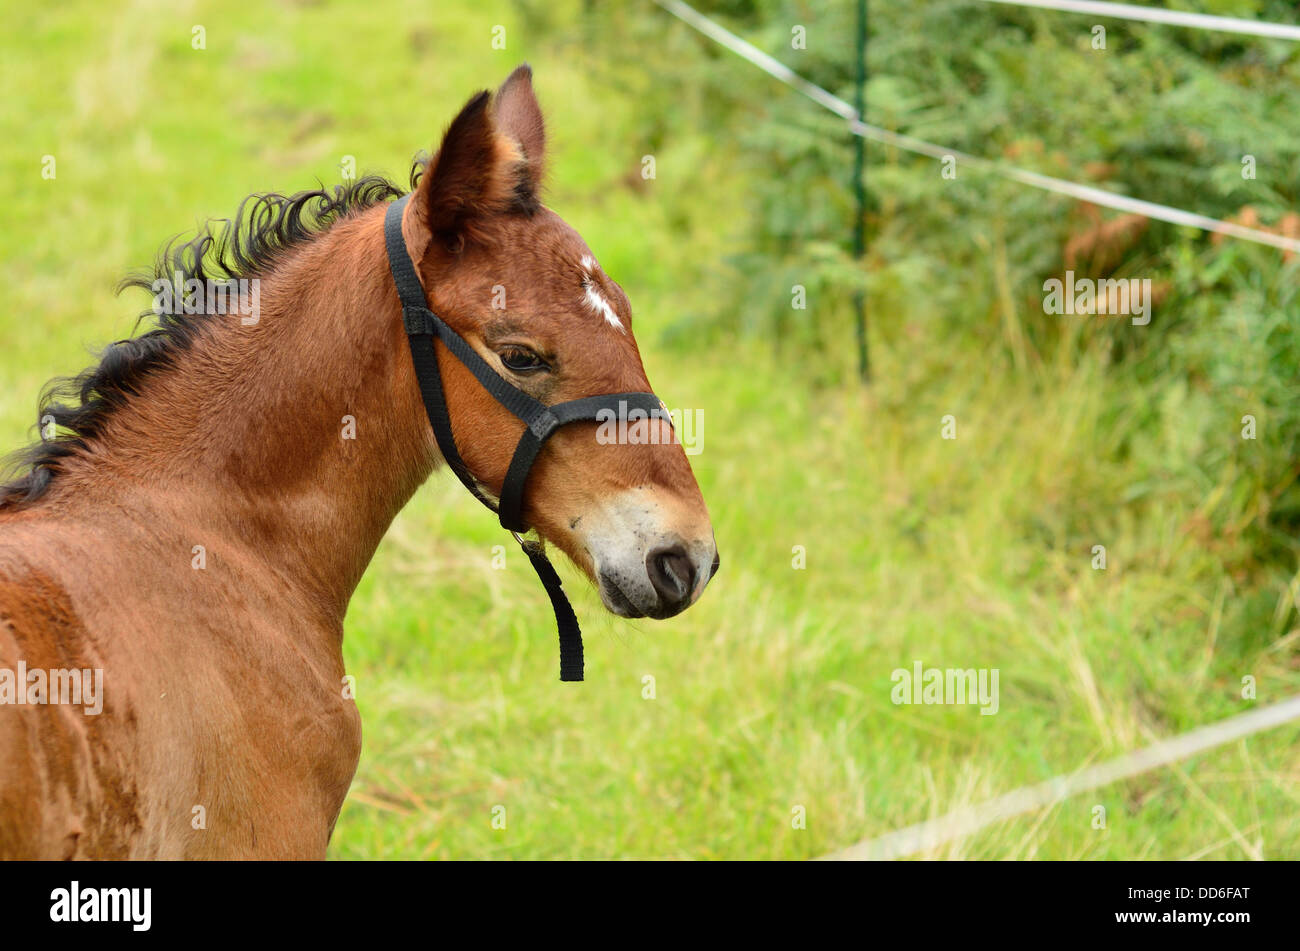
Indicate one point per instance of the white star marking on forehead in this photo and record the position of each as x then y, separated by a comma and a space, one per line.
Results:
595, 299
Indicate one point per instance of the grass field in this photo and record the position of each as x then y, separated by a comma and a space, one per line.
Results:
773, 693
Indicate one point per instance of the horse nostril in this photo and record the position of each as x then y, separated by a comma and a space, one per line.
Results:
672, 573
717, 561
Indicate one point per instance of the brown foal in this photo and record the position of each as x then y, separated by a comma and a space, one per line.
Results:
208, 496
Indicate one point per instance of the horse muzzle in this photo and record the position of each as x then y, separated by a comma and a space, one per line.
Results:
658, 580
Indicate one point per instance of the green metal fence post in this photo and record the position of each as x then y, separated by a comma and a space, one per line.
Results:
860, 193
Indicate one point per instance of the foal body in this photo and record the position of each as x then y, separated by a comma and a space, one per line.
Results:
199, 535
224, 705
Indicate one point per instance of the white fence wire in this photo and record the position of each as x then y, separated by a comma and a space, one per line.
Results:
1145, 14
1088, 193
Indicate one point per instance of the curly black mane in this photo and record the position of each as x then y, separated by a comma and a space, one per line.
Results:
263, 229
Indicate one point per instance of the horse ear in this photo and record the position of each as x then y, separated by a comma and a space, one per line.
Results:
520, 117
475, 175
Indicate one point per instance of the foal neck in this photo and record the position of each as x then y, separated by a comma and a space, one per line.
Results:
298, 437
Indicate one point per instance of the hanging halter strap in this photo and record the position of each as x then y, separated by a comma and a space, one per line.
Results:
423, 327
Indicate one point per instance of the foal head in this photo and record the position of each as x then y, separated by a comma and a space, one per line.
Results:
528, 294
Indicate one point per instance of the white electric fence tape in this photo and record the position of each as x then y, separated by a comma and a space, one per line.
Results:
1096, 196
962, 822
1145, 14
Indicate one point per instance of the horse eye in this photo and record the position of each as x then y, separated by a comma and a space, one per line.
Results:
520, 360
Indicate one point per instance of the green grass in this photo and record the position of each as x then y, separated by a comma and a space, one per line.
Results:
774, 691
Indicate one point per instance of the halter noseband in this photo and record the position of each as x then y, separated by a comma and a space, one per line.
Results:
423, 326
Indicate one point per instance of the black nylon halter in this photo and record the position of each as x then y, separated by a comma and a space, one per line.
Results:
423, 326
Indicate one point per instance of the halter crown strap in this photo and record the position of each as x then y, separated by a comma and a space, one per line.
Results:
423, 327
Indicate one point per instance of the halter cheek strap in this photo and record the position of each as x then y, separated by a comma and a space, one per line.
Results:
541, 421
